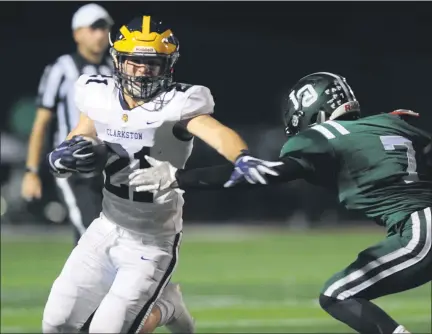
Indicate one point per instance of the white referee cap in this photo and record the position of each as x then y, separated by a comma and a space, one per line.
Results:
89, 14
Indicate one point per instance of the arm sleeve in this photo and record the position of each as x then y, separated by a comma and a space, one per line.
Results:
301, 156
49, 86
216, 176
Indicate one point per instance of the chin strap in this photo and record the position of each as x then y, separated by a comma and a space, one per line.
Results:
321, 117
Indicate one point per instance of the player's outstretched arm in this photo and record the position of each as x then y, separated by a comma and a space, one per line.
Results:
286, 169
162, 175
230, 145
197, 121
223, 139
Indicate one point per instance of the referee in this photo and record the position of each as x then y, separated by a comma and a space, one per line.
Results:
83, 197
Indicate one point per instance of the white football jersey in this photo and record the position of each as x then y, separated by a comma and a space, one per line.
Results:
131, 134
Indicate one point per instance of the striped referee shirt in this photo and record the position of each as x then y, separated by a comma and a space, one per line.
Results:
56, 89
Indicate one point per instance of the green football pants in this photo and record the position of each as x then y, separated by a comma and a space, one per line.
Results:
400, 262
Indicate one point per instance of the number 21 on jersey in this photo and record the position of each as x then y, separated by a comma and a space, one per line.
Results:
120, 164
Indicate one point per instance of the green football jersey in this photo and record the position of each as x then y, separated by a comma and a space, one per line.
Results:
375, 164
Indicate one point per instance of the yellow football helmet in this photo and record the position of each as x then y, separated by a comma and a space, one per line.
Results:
144, 54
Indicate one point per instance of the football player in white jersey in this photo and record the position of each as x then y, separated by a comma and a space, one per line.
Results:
125, 259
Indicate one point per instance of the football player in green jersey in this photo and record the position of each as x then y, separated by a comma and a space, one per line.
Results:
377, 165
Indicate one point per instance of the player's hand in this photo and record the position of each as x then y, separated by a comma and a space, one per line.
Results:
159, 177
251, 169
74, 155
31, 186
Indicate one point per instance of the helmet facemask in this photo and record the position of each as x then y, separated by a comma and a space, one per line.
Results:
143, 76
300, 121
296, 119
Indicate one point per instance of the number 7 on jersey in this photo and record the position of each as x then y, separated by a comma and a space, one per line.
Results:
392, 143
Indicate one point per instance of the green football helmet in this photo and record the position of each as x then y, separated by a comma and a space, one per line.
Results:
316, 98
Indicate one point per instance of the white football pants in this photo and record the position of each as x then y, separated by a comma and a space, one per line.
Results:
115, 274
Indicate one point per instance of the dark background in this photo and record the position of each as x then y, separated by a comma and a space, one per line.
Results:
246, 53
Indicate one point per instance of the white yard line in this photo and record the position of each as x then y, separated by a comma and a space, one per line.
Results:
214, 302
219, 302
247, 323
303, 322
202, 303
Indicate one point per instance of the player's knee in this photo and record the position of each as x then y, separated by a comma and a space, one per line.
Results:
49, 327
56, 319
326, 302
99, 327
106, 324
60, 313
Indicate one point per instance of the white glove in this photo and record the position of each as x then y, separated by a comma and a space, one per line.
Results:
156, 178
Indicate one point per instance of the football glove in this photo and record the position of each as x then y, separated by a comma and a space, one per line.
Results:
160, 176
251, 169
72, 156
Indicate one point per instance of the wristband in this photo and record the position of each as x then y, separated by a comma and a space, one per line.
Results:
33, 170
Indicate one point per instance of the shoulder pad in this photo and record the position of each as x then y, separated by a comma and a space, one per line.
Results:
199, 101
87, 86
306, 142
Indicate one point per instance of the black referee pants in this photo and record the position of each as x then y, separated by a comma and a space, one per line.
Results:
83, 199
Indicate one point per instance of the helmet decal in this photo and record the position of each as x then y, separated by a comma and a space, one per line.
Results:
306, 95
316, 98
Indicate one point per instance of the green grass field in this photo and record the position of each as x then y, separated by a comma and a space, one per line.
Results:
233, 282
